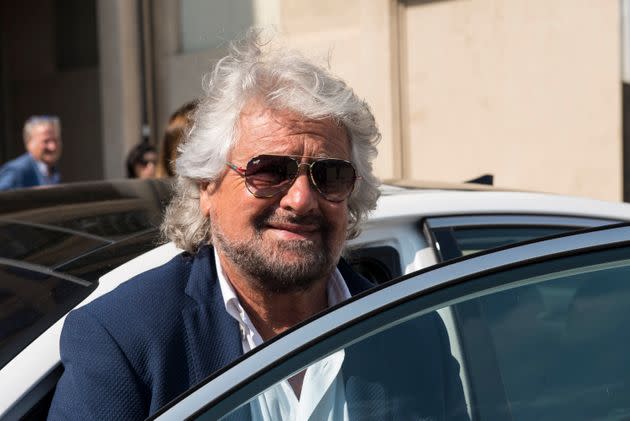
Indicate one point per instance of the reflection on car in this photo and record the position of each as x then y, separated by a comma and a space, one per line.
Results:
66, 245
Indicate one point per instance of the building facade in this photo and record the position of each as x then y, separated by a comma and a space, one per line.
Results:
528, 91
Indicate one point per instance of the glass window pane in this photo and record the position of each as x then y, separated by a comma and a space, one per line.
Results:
211, 24
541, 341
471, 240
462, 241
560, 342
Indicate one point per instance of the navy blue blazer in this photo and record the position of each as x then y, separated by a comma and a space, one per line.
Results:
22, 172
131, 351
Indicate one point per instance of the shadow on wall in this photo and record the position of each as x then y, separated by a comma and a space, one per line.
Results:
625, 123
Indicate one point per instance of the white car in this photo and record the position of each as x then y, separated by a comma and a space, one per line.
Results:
68, 243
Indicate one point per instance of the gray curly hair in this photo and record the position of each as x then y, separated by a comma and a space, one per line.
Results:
283, 80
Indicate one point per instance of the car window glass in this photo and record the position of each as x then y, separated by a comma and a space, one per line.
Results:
541, 341
462, 241
559, 342
30, 302
377, 264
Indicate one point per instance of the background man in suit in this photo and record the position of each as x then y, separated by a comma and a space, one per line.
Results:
37, 167
267, 192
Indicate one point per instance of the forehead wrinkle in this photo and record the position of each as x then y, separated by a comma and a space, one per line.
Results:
261, 129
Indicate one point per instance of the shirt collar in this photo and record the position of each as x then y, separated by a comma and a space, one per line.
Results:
41, 167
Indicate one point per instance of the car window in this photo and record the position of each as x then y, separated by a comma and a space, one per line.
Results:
545, 340
457, 242
559, 341
456, 236
378, 264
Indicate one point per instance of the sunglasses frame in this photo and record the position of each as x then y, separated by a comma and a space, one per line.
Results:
242, 172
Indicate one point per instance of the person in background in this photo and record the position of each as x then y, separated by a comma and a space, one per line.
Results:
178, 124
141, 161
38, 166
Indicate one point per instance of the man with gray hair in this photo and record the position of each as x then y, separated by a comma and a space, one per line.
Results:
37, 167
274, 176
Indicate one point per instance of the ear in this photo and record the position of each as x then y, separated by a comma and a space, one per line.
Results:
205, 194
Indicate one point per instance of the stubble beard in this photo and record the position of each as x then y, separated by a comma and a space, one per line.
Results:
266, 262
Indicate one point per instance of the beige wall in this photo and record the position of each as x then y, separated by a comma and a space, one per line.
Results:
359, 40
355, 37
528, 91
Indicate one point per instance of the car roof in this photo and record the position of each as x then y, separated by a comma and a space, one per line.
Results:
110, 210
400, 202
408, 183
36, 198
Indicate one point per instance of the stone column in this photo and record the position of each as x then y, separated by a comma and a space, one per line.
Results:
120, 79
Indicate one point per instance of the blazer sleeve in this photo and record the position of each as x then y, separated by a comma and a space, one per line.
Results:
8, 178
98, 381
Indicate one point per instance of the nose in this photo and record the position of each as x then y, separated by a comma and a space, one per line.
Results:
301, 197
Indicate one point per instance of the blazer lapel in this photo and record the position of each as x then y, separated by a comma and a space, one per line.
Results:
33, 177
212, 336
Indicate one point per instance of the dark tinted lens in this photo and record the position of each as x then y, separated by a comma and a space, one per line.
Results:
334, 178
266, 175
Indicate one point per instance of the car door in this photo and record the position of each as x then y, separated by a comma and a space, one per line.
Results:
537, 331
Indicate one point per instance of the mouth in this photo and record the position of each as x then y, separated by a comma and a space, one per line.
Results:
289, 231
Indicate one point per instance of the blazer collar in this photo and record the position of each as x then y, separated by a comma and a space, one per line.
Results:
213, 336
203, 285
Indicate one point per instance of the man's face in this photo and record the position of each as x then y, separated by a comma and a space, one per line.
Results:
289, 241
44, 144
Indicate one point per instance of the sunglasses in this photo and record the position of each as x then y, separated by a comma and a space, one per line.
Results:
268, 175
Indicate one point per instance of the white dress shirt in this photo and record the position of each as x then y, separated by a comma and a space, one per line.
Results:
322, 396
46, 175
